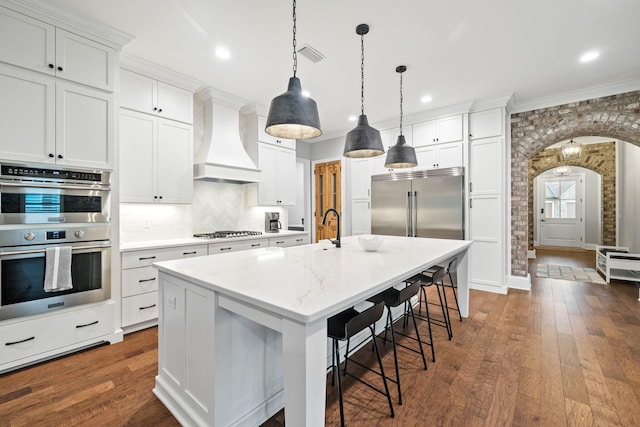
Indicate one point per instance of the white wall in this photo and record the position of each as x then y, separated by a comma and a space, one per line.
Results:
628, 185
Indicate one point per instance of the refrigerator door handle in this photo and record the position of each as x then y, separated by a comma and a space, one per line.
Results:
415, 214
409, 224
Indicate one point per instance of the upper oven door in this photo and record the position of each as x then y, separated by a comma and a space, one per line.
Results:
29, 203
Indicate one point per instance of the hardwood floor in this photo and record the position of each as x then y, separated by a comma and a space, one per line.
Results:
566, 353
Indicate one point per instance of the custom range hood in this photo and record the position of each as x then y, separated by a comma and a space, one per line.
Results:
221, 156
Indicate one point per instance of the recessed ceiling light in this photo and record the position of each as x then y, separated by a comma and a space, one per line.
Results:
352, 118
589, 56
223, 53
426, 98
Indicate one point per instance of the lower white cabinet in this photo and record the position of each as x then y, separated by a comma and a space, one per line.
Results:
140, 282
26, 341
288, 241
238, 245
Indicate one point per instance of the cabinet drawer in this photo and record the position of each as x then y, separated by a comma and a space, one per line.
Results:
219, 248
137, 281
139, 308
289, 241
145, 258
29, 338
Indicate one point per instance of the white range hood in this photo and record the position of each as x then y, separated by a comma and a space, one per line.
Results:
221, 156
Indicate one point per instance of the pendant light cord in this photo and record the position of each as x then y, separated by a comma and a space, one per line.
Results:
295, 54
400, 103
362, 75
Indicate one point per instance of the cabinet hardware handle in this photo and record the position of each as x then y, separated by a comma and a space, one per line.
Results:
147, 280
470, 187
147, 307
160, 197
298, 240
59, 68
471, 204
51, 155
60, 156
146, 257
159, 110
87, 324
155, 197
155, 108
280, 242
190, 253
21, 341
50, 65
225, 249
255, 244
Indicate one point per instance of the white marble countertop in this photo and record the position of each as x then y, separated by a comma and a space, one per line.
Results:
308, 282
187, 241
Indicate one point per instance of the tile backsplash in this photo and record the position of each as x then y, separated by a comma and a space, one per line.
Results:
216, 206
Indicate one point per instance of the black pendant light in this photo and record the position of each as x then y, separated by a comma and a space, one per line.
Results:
363, 140
293, 115
401, 155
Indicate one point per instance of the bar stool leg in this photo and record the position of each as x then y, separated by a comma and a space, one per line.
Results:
384, 378
415, 325
337, 356
444, 311
454, 288
395, 355
426, 308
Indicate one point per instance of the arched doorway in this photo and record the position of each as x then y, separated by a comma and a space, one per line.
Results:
616, 117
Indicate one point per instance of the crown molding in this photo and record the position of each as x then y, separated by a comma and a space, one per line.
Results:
151, 69
600, 91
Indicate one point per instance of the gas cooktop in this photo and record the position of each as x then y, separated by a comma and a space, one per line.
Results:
226, 234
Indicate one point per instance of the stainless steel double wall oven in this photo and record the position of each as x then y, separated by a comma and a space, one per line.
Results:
42, 208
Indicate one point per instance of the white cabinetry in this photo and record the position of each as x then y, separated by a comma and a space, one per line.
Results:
48, 121
27, 340
255, 132
237, 245
38, 46
148, 95
156, 159
390, 136
440, 156
437, 131
140, 283
288, 241
360, 173
487, 200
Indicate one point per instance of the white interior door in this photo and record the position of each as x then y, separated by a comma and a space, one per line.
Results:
560, 211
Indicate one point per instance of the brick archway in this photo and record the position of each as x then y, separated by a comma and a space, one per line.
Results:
600, 158
616, 117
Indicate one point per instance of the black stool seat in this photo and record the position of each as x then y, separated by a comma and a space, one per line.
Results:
345, 325
391, 298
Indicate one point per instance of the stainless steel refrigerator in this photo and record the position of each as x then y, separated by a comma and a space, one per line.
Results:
419, 204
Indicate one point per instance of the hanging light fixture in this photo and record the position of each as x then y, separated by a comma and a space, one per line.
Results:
563, 170
293, 115
571, 150
401, 155
363, 140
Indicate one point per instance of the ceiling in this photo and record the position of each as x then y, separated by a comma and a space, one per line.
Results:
458, 51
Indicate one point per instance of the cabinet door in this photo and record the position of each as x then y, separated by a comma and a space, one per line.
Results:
27, 127
84, 61
137, 156
450, 129
485, 124
427, 158
286, 177
390, 136
26, 42
175, 103
265, 137
175, 162
424, 133
450, 155
268, 158
137, 92
360, 178
360, 217
84, 123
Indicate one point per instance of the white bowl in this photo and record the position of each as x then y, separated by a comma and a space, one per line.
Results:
370, 243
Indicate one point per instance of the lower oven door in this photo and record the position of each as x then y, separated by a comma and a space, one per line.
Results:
22, 272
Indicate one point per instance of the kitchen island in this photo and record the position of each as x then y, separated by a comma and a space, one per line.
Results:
242, 334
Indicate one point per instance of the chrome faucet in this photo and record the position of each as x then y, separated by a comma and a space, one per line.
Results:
324, 220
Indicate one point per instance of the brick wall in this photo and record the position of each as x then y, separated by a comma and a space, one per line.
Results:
600, 158
616, 117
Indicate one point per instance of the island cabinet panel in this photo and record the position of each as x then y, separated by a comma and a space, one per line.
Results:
287, 241
220, 368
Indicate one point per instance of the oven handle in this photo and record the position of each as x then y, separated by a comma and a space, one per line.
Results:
62, 186
35, 251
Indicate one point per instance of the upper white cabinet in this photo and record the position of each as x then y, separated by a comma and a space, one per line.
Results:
485, 124
48, 121
390, 136
46, 49
437, 131
278, 174
256, 124
148, 95
440, 156
156, 159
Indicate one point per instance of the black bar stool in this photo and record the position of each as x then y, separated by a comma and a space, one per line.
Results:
452, 272
437, 279
391, 298
345, 325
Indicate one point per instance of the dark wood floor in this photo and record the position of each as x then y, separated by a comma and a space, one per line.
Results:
566, 353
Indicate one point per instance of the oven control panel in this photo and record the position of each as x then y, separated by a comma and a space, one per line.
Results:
47, 236
57, 175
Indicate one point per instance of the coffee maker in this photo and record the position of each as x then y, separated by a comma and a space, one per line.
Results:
272, 222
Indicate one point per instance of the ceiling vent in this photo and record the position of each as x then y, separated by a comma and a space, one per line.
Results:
310, 53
